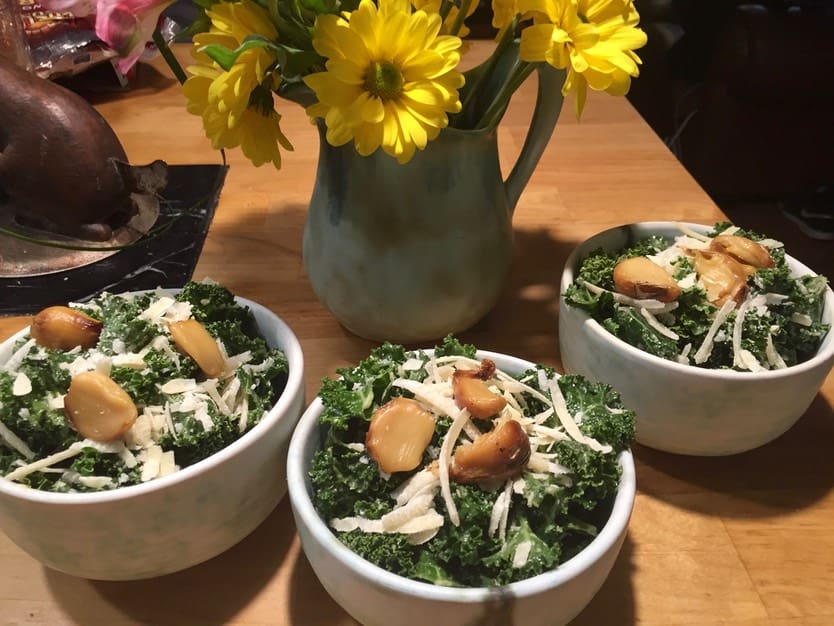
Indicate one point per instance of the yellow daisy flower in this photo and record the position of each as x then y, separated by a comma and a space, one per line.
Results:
503, 13
594, 39
390, 78
237, 106
259, 133
433, 6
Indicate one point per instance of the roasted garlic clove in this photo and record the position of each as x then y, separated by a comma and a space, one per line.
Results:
639, 277
743, 250
191, 337
399, 433
98, 408
471, 392
723, 277
499, 454
63, 328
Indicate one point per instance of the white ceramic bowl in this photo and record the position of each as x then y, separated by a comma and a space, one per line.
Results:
376, 597
173, 522
681, 408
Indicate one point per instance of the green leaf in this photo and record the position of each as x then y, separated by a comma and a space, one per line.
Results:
200, 24
295, 62
428, 569
319, 7
631, 327
484, 85
452, 346
226, 58
542, 556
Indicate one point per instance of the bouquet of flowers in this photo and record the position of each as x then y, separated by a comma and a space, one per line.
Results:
384, 74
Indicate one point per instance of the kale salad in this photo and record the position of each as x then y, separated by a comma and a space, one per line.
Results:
722, 300
440, 467
127, 388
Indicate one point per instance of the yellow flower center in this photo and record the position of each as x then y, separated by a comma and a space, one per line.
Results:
384, 80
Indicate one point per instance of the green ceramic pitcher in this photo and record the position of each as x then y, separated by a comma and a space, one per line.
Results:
409, 253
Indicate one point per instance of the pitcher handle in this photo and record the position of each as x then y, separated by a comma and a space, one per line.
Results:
545, 115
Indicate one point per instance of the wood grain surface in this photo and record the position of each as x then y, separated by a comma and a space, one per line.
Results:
746, 540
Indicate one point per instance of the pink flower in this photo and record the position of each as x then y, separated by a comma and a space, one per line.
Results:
124, 25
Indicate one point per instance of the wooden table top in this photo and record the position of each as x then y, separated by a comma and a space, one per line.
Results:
743, 540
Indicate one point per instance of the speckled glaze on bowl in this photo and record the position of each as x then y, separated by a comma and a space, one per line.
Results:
681, 408
376, 597
173, 522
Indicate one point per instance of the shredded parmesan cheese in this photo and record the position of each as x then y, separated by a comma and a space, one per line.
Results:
17, 357
645, 303
21, 386
210, 387
445, 460
802, 319
654, 323
132, 360
439, 401
421, 482
243, 412
738, 326
561, 409
702, 354
505, 512
774, 359
178, 385
417, 506
499, 509
95, 482
15, 442
688, 281
151, 459
348, 524
693, 234
412, 365
23, 471
413, 514
522, 553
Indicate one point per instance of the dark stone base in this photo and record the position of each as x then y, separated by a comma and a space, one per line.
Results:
166, 257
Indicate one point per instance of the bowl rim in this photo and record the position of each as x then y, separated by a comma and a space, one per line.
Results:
612, 531
291, 391
824, 353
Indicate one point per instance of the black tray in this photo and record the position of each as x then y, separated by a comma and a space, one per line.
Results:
165, 259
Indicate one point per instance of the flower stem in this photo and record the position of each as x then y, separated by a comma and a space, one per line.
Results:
445, 7
461, 16
480, 78
521, 71
168, 55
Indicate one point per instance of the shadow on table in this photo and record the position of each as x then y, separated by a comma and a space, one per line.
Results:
798, 463
309, 602
615, 597
96, 89
526, 314
207, 594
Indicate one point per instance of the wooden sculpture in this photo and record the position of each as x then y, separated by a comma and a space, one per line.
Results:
62, 168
